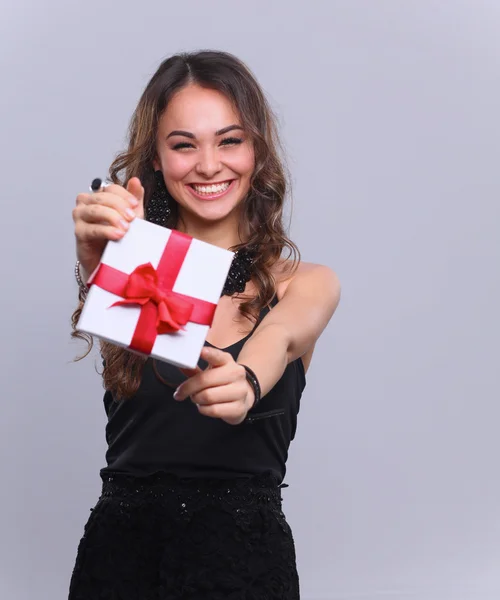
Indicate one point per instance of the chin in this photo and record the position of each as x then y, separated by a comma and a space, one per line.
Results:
212, 214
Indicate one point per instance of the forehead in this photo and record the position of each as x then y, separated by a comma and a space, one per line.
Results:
199, 110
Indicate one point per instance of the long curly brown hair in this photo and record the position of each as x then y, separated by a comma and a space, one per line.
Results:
261, 224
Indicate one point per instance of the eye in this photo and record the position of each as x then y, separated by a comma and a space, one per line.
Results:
182, 145
230, 141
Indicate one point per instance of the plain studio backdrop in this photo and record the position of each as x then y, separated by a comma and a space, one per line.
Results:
389, 112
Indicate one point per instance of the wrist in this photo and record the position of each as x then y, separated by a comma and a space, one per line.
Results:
250, 399
254, 392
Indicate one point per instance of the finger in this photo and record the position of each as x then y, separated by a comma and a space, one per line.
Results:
191, 372
215, 357
103, 215
92, 232
215, 395
120, 191
206, 379
95, 214
83, 199
228, 412
121, 205
117, 197
135, 188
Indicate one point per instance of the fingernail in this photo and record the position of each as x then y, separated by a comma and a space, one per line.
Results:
133, 201
124, 224
130, 213
177, 394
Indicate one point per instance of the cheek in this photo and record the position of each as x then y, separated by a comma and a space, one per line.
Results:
245, 162
176, 166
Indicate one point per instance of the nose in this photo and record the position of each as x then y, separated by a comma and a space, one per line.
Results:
209, 163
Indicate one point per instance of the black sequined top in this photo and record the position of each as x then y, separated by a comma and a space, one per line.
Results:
151, 432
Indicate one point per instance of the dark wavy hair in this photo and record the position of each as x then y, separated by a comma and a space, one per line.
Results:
261, 224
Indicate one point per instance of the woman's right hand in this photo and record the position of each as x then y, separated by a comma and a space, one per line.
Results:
104, 216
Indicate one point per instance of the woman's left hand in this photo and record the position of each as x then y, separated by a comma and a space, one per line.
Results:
221, 390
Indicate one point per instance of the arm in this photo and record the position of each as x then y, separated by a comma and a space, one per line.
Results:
293, 326
288, 332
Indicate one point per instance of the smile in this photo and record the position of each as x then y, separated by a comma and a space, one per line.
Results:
212, 191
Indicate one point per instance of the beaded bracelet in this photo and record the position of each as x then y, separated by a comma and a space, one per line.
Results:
254, 382
81, 286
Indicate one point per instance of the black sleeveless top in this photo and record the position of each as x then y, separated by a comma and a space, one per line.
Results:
151, 432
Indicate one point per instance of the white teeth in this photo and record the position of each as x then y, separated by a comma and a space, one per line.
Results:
211, 189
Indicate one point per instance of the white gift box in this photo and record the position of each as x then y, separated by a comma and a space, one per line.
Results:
201, 277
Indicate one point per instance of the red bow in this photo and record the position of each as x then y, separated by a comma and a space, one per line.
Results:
163, 310
142, 287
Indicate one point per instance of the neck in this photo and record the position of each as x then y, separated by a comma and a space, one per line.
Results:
223, 234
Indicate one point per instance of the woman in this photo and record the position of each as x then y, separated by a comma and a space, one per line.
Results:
191, 501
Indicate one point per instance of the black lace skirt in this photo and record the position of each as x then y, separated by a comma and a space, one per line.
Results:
162, 538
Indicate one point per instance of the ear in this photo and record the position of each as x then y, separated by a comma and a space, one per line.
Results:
156, 160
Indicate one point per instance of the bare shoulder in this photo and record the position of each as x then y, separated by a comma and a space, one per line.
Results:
311, 275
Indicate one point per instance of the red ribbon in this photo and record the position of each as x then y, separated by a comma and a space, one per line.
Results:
163, 310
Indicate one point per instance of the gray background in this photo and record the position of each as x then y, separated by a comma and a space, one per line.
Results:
389, 110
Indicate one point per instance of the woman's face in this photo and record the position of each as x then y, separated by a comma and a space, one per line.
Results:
206, 158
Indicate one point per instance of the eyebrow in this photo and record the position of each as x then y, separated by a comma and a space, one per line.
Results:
190, 135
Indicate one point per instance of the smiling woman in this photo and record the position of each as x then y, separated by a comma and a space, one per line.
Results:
206, 162
191, 497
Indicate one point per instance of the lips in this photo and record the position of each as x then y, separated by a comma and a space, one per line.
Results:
211, 191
